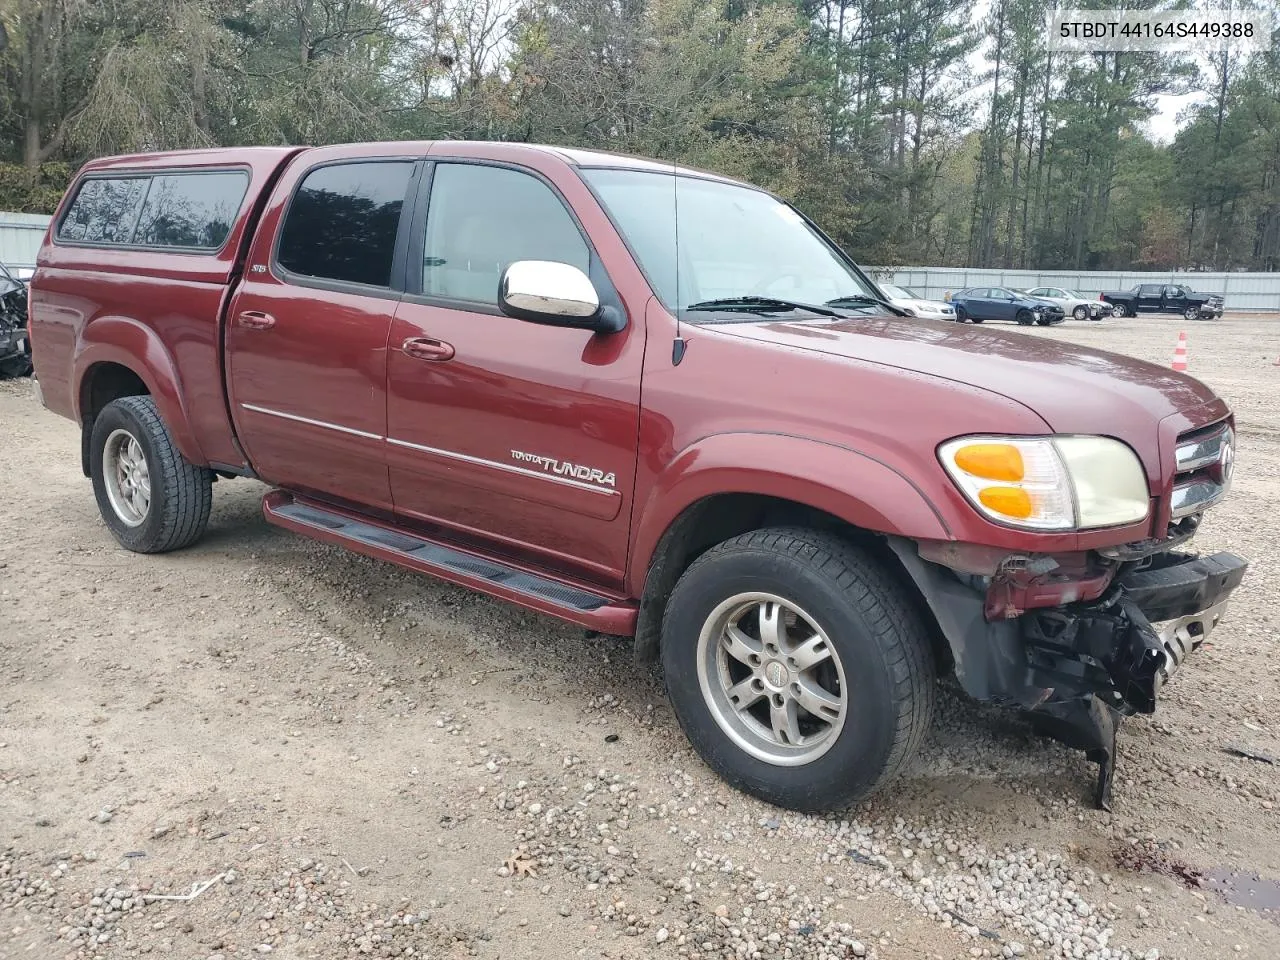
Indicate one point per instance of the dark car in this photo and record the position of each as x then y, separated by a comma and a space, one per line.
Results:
15, 346
1000, 303
1165, 298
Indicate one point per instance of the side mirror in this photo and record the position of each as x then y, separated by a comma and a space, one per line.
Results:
556, 294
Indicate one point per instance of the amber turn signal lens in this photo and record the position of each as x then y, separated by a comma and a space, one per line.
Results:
1009, 501
991, 461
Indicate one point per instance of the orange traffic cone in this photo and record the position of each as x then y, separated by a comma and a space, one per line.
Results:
1180, 352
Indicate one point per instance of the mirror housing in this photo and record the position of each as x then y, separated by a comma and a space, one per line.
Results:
555, 294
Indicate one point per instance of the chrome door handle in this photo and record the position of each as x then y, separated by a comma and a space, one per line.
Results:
256, 320
427, 348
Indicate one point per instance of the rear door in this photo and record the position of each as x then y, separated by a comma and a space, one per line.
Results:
307, 331
517, 437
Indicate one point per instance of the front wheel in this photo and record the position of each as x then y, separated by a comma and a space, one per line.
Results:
1191, 313
1025, 318
1081, 312
152, 499
799, 669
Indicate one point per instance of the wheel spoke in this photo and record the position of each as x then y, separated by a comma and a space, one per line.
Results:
745, 693
784, 720
773, 629
740, 646
823, 705
810, 653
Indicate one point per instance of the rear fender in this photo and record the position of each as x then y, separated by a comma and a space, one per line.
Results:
136, 346
858, 488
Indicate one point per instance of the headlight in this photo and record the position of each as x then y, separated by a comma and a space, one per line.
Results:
1049, 483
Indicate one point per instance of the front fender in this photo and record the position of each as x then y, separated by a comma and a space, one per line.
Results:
136, 346
841, 481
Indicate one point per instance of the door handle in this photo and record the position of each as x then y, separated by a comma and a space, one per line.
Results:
427, 348
256, 320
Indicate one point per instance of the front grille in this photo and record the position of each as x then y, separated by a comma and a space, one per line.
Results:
1204, 460
1216, 302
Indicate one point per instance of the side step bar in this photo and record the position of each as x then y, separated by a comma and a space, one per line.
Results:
383, 541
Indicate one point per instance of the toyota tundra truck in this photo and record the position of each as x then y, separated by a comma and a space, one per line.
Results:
653, 402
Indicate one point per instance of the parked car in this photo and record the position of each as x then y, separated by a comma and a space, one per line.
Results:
998, 303
1073, 304
15, 345
479, 361
915, 305
1165, 298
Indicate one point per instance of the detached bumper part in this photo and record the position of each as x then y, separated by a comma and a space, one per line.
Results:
1080, 668
1106, 660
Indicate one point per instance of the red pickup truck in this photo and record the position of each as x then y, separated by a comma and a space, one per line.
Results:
654, 402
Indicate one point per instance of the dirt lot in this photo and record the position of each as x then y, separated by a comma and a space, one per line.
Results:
361, 757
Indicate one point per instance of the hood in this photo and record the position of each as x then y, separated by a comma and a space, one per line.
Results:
932, 306
1073, 389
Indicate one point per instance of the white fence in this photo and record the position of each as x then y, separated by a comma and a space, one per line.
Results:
20, 237
1243, 291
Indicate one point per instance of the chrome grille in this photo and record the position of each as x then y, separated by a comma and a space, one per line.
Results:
1204, 460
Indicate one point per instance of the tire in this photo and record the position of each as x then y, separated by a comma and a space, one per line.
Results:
1120, 311
1081, 312
976, 319
1025, 318
1192, 313
961, 314
129, 449
878, 667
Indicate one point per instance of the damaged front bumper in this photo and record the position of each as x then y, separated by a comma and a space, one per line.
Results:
1078, 666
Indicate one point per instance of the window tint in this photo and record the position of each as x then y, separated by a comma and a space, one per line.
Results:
481, 220
1173, 291
342, 222
1149, 290
190, 209
104, 210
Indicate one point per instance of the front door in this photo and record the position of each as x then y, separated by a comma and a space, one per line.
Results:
1150, 296
307, 333
517, 437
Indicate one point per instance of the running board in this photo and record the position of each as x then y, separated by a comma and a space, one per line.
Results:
382, 541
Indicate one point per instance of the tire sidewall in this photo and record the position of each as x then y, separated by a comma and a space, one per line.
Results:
116, 416
863, 748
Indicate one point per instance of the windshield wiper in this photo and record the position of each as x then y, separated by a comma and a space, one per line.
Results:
854, 299
760, 305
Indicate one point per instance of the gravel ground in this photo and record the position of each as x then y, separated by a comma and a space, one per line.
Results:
267, 746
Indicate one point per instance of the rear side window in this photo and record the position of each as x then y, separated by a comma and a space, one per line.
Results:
191, 211
105, 211
342, 222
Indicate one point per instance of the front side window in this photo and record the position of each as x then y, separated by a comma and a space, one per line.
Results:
104, 211
190, 210
481, 219
703, 240
342, 222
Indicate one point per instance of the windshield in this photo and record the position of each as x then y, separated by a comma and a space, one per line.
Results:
899, 293
727, 241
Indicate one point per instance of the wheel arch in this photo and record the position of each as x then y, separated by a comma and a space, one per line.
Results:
704, 499
120, 357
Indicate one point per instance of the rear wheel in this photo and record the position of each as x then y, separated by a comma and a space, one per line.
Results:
152, 499
798, 668
1025, 318
1121, 310
961, 314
